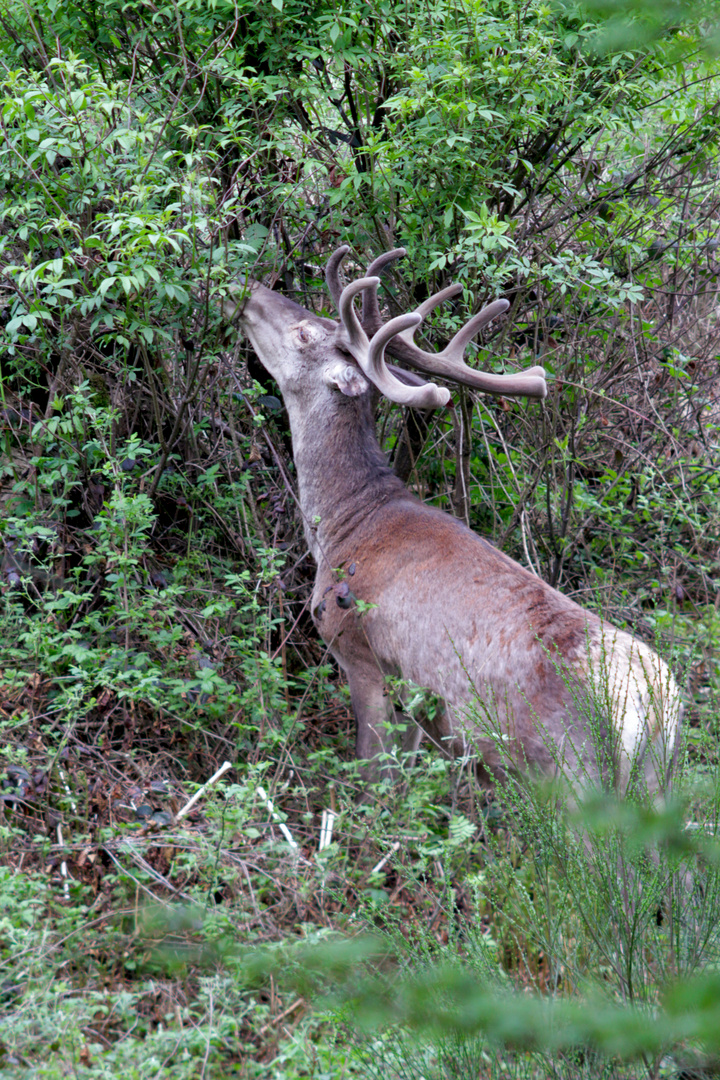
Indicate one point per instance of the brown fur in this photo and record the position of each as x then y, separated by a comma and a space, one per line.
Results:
530, 680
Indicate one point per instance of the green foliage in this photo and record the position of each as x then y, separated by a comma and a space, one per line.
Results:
155, 590
636, 23
616, 940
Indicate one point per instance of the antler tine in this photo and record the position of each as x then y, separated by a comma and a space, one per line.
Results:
370, 355
455, 349
371, 317
450, 364
378, 265
332, 274
353, 335
427, 396
438, 298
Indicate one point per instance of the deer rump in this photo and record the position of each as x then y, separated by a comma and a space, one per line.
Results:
530, 681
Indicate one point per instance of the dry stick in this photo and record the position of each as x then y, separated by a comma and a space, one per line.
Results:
461, 423
378, 867
201, 791
129, 847
529, 561
209, 1040
326, 829
276, 817
63, 865
138, 884
283, 649
286, 1012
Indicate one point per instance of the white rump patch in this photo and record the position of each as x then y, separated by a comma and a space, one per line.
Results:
635, 687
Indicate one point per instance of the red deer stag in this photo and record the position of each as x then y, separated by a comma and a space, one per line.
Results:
530, 681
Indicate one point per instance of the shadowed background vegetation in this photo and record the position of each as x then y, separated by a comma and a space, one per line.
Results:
155, 579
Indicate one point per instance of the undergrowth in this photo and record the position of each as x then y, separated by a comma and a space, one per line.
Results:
155, 581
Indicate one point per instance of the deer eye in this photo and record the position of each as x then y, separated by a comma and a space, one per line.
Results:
303, 335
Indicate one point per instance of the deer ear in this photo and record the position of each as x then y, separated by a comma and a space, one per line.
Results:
346, 378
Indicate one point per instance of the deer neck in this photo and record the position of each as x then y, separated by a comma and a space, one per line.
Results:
343, 476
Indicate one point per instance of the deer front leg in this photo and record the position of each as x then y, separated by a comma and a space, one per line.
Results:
374, 713
375, 719
378, 722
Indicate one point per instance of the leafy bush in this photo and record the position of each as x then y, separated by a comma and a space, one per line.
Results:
155, 582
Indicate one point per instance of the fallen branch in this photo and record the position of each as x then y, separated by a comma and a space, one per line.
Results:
201, 791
